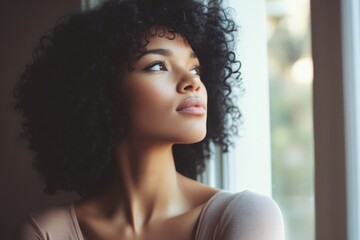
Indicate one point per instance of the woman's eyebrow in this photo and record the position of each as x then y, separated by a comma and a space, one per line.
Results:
158, 51
163, 52
193, 55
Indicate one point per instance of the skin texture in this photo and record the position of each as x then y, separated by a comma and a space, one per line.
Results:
153, 93
148, 199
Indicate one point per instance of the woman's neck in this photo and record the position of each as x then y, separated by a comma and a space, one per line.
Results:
146, 187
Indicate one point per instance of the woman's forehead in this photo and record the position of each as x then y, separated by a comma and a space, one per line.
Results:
163, 32
163, 38
169, 40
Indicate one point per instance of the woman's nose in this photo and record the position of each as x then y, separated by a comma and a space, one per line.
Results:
189, 83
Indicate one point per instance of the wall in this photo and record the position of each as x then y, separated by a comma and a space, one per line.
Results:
22, 23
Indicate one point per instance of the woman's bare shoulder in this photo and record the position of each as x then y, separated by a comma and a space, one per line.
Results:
198, 193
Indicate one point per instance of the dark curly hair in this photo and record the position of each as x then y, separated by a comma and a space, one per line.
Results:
69, 94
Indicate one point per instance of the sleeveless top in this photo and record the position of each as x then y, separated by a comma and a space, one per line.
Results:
225, 216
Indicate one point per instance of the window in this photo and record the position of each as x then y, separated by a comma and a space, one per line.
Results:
248, 165
275, 154
291, 75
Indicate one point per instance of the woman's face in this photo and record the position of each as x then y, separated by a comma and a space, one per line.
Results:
166, 100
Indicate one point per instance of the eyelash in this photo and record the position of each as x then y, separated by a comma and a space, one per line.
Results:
197, 69
149, 68
162, 65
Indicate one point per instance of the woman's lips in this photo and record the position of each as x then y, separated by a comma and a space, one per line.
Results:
192, 105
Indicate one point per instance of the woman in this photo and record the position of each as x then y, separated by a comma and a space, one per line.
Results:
120, 105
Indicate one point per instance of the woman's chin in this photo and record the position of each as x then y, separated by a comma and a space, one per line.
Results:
193, 137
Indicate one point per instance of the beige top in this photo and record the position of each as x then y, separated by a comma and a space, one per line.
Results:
226, 216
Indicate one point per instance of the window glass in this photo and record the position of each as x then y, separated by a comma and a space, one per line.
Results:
291, 74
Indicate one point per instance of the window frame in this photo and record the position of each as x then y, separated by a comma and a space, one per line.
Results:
246, 167
351, 62
336, 53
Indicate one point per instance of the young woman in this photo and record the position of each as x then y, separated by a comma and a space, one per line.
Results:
120, 105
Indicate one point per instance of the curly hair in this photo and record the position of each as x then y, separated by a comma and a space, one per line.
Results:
69, 94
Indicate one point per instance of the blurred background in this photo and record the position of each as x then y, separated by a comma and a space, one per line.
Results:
291, 75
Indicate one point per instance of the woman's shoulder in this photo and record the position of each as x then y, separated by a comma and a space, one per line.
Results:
243, 215
197, 193
249, 203
52, 224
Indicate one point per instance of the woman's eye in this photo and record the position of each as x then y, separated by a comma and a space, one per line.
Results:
159, 66
195, 70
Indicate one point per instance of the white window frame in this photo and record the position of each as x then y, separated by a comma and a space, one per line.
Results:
249, 163
247, 166
351, 68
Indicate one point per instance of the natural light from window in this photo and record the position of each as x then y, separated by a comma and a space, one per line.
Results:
291, 75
